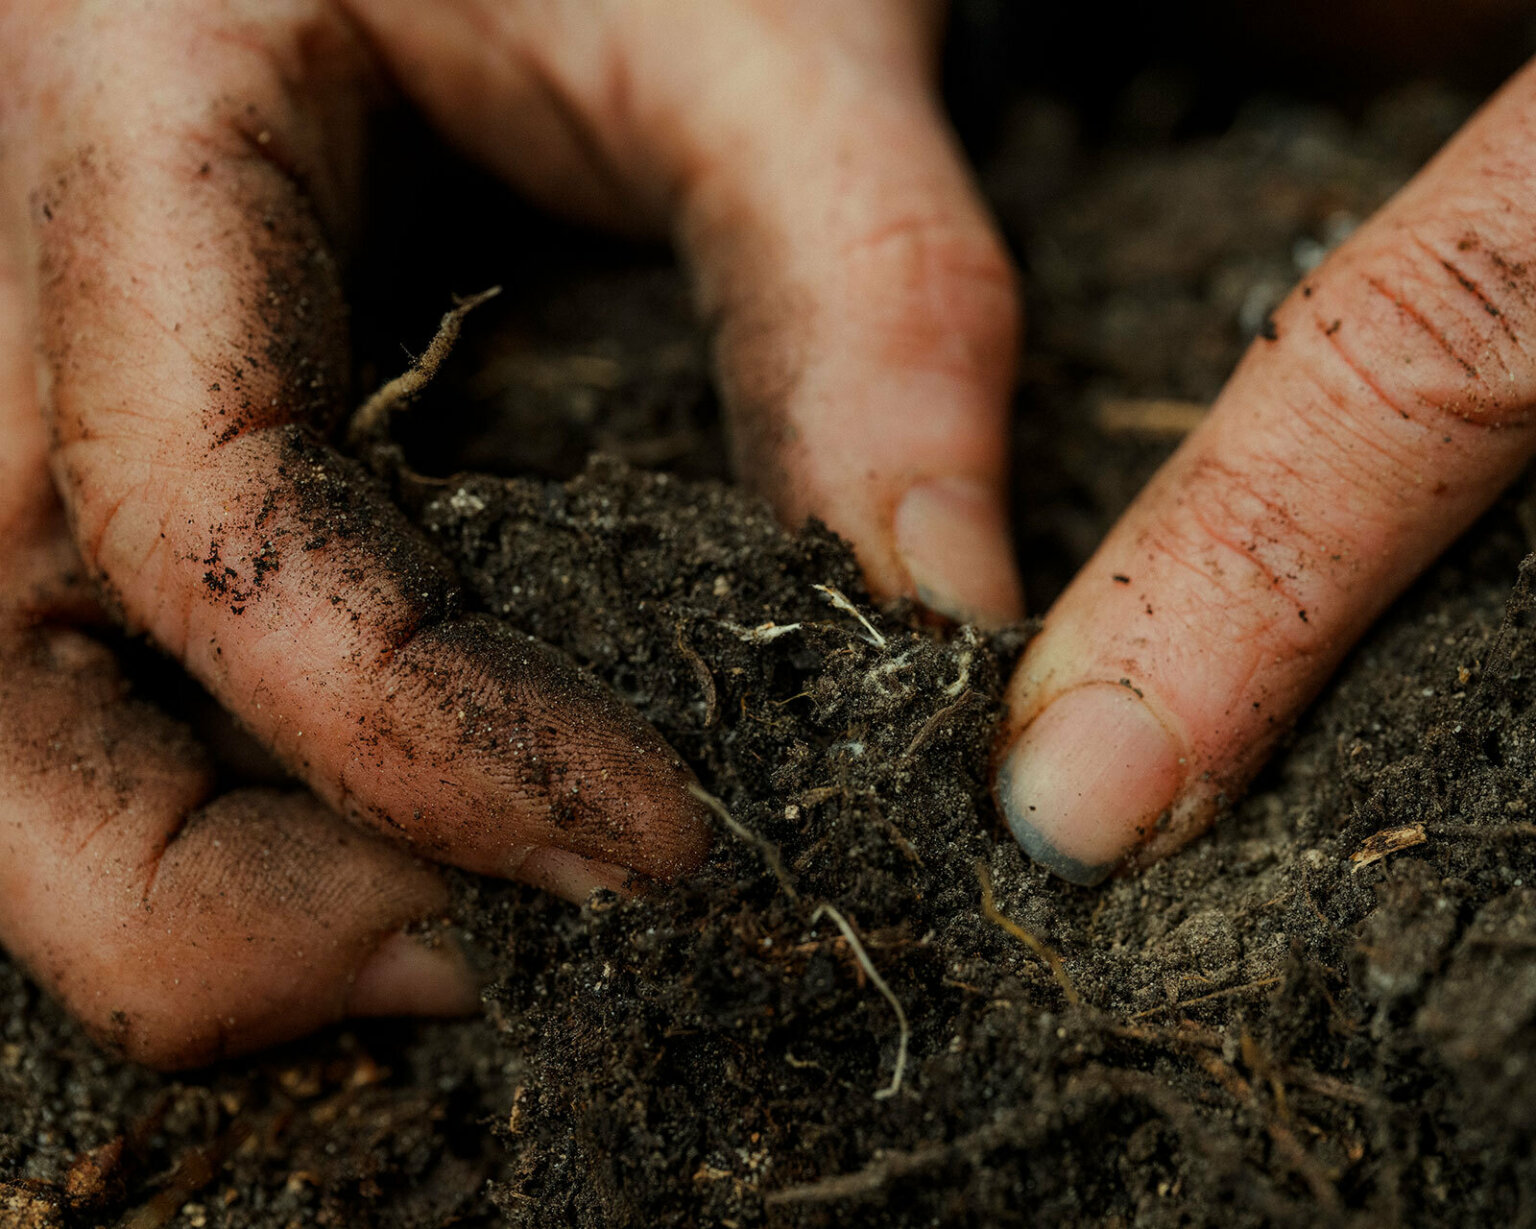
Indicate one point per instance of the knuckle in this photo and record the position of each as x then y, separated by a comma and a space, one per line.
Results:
154, 1032
1444, 326
120, 530
1241, 529
941, 289
1336, 443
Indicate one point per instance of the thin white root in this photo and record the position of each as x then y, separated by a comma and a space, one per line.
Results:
763, 633
400, 391
891, 1089
963, 679
836, 598
767, 848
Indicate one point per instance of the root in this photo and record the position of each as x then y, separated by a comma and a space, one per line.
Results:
931, 726
1301, 1162
706, 679
763, 633
767, 848
1010, 1128
1206, 998
1186, 1036
1513, 830
1039, 946
836, 599
962, 684
399, 392
891, 1089
196, 1170
891, 1166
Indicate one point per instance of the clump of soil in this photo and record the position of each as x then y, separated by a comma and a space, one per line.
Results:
1323, 1014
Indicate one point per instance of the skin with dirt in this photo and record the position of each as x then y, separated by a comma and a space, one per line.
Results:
868, 1007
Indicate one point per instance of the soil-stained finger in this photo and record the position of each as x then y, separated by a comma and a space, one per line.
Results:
193, 354
180, 926
1385, 405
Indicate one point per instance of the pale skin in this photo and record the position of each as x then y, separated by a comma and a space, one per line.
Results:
177, 183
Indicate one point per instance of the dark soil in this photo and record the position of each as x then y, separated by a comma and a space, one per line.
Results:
1271, 1028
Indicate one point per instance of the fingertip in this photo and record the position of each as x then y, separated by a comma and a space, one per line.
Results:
573, 877
669, 836
952, 536
411, 974
1088, 781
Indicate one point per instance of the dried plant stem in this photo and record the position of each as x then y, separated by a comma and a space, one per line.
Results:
397, 393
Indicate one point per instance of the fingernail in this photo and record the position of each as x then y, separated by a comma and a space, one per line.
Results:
415, 975
952, 537
1086, 781
574, 877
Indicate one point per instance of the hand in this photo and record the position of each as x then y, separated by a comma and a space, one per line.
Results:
177, 184
1387, 406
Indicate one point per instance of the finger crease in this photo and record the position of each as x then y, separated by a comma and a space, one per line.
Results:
1426, 325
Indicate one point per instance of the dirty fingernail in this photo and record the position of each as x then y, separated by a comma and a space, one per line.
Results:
1086, 781
415, 975
952, 536
574, 877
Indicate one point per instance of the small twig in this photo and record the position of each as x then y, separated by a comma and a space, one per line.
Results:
891, 1089
1206, 998
767, 848
399, 392
1029, 939
1388, 841
835, 597
1163, 417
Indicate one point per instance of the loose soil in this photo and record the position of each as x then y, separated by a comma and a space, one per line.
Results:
1323, 1013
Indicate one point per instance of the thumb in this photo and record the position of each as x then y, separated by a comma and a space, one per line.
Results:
1389, 405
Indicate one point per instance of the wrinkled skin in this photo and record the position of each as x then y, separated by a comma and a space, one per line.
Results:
178, 181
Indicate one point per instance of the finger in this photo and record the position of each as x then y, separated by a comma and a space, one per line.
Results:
40, 568
1389, 406
177, 925
865, 313
190, 321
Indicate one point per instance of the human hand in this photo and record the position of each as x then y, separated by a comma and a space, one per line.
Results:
177, 182
1387, 409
